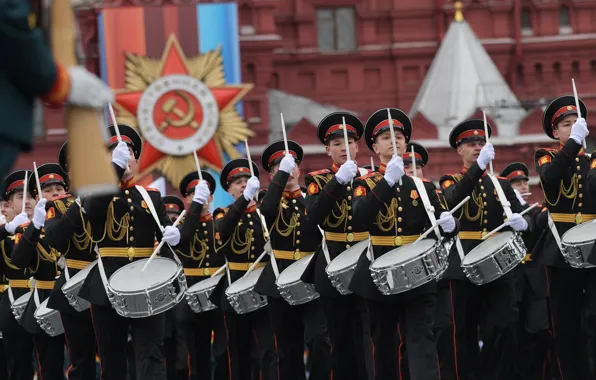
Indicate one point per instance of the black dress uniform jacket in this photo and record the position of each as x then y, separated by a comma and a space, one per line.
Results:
240, 236
481, 214
396, 212
33, 251
121, 222
329, 204
293, 234
68, 232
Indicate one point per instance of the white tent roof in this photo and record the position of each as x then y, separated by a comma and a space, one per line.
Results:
463, 78
294, 108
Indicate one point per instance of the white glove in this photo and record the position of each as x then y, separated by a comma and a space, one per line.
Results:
487, 154
579, 131
517, 222
519, 197
446, 222
394, 170
287, 164
39, 215
252, 188
201, 193
121, 155
346, 172
87, 90
17, 221
171, 235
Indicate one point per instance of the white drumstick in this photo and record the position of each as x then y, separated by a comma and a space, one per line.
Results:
37, 179
252, 267
252, 173
283, 131
113, 116
220, 270
25, 186
486, 133
346, 142
414, 162
435, 225
392, 132
162, 242
579, 111
372, 164
526, 194
505, 224
198, 164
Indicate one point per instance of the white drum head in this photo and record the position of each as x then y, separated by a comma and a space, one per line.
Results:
348, 257
80, 276
294, 271
22, 300
205, 284
488, 247
43, 309
403, 254
580, 234
130, 278
245, 282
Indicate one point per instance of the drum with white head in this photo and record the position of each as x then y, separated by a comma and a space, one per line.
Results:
291, 288
19, 305
138, 294
494, 257
198, 295
241, 295
577, 244
49, 319
341, 269
72, 287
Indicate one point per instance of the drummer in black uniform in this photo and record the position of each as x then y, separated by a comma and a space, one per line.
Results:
125, 230
34, 252
492, 305
17, 342
197, 250
293, 237
530, 285
563, 175
239, 235
396, 217
67, 232
329, 204
421, 158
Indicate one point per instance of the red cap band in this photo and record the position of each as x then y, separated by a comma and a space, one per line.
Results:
339, 127
49, 177
114, 139
172, 206
561, 111
470, 133
15, 184
279, 154
237, 171
385, 123
408, 155
193, 184
516, 173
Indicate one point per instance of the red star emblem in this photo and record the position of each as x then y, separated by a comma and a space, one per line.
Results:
177, 114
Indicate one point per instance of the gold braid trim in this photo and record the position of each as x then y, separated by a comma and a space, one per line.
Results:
478, 200
386, 221
340, 218
44, 255
82, 241
371, 184
7, 259
567, 192
240, 246
115, 229
60, 206
288, 227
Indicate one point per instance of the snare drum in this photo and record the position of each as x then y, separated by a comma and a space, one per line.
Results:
494, 257
291, 288
197, 295
49, 319
136, 294
241, 295
341, 269
72, 287
408, 267
19, 305
578, 243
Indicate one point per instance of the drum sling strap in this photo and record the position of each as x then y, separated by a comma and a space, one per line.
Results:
555, 232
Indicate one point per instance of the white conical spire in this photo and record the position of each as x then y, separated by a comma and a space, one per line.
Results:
463, 78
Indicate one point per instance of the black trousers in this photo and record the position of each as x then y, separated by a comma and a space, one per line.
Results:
18, 353
50, 356
80, 340
293, 327
490, 309
572, 309
244, 333
175, 347
111, 331
3, 370
349, 330
408, 322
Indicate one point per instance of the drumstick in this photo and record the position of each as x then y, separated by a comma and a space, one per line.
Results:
526, 194
372, 164
113, 115
252, 267
283, 131
252, 172
25, 186
198, 164
37, 179
435, 225
579, 112
486, 133
505, 224
393, 144
220, 270
346, 142
414, 162
162, 242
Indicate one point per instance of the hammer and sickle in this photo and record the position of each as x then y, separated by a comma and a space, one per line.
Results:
169, 106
